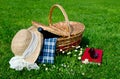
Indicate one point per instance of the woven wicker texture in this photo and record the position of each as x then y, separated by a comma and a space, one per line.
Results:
70, 31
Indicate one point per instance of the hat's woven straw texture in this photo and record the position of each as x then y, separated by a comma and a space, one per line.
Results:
21, 41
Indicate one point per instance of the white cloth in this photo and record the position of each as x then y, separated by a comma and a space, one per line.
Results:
18, 62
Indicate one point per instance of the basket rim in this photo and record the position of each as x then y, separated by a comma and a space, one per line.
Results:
56, 30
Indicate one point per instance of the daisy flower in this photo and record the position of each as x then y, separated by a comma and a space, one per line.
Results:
86, 61
46, 68
68, 53
79, 58
77, 47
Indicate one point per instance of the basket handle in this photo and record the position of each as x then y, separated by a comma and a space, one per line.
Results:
64, 14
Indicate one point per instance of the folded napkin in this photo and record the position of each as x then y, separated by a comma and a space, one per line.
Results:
48, 50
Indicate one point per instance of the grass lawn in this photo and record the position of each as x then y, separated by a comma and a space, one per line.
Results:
102, 30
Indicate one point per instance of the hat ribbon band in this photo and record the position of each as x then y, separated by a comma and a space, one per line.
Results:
32, 46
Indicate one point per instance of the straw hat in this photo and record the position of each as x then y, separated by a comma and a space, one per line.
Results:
22, 40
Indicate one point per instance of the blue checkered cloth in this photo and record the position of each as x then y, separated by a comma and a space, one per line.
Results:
48, 51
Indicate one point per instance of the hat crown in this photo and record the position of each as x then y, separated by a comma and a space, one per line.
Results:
21, 41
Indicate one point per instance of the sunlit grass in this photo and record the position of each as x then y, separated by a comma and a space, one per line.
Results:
102, 21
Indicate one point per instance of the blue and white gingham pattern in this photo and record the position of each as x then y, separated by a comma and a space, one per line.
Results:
48, 51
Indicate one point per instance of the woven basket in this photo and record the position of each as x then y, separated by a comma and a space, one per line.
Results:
70, 32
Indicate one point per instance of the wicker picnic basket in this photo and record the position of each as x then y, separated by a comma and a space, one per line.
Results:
70, 32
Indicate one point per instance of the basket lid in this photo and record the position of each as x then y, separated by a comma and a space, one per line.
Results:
60, 28
75, 27
51, 29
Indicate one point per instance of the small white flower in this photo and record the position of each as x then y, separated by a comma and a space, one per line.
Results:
86, 61
46, 68
68, 53
83, 73
76, 50
77, 47
62, 64
60, 50
44, 64
81, 49
79, 58
86, 45
63, 51
80, 53
99, 64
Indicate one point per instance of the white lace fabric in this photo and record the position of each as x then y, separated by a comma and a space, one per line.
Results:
18, 63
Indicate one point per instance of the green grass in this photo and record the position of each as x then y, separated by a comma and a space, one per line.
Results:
102, 21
